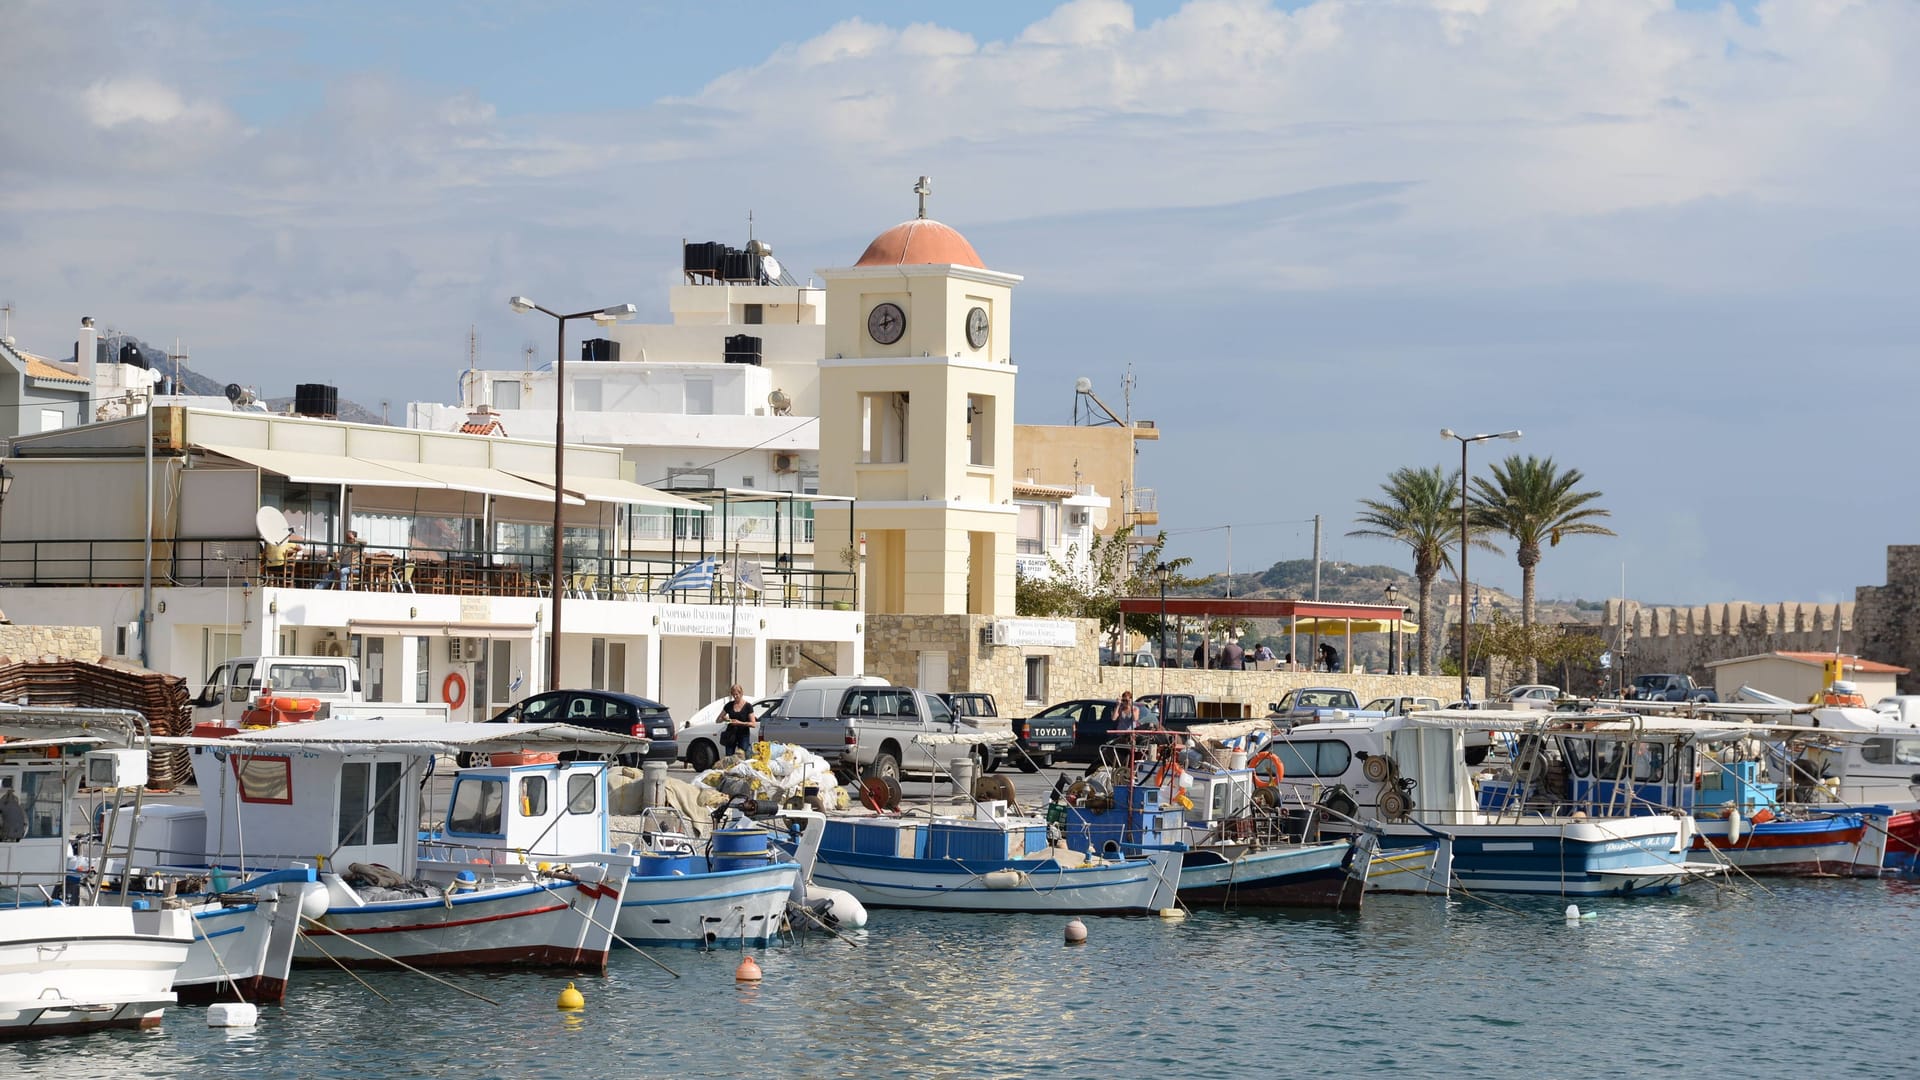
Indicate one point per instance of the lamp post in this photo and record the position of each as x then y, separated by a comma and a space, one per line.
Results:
1464, 440
1162, 571
521, 305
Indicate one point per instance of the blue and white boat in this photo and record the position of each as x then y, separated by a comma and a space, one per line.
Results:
1407, 778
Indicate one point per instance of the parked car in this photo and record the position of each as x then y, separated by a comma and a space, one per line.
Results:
699, 744
1669, 687
1403, 705
1531, 696
1091, 722
1315, 704
601, 710
980, 710
1177, 712
863, 726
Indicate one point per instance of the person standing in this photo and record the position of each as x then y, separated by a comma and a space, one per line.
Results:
1232, 656
1126, 715
738, 716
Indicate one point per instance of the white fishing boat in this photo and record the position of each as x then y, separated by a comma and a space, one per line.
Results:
1406, 777
72, 967
343, 795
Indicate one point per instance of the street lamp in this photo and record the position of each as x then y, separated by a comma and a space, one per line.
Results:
1464, 440
1162, 571
521, 305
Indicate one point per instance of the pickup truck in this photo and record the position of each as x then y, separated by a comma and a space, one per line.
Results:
1317, 704
982, 712
862, 725
1669, 687
332, 683
1177, 712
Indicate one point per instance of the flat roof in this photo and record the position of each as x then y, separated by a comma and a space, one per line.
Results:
1239, 607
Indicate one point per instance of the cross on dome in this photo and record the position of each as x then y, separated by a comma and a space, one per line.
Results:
923, 188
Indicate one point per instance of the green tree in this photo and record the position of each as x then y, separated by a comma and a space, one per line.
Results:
1532, 500
1500, 638
1418, 509
1092, 590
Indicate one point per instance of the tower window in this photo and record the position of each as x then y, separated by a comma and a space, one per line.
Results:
750, 314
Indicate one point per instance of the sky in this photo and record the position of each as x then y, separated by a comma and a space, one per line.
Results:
1671, 242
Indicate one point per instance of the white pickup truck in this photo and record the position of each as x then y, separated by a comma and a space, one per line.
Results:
331, 682
862, 725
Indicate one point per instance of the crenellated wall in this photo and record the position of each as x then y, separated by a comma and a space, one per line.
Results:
1888, 620
1686, 639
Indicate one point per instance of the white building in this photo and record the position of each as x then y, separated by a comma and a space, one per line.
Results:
456, 541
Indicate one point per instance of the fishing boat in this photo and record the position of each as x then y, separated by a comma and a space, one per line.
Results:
729, 889
343, 795
71, 967
1406, 776
1166, 791
962, 853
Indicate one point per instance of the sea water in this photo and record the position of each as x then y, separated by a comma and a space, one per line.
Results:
1805, 978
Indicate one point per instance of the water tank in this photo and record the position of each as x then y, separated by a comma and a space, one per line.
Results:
130, 354
743, 349
317, 400
600, 350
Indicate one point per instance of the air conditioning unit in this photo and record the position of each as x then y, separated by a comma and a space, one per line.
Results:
783, 462
464, 650
784, 655
1077, 518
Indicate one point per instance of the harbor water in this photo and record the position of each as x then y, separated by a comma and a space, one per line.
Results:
1806, 978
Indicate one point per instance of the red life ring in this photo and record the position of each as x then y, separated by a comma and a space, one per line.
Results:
1260, 779
454, 691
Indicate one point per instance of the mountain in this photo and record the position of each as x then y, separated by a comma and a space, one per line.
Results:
192, 382
1347, 583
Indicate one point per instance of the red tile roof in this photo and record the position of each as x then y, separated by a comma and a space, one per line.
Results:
1853, 663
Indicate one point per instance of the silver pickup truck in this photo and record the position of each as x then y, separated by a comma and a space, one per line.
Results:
864, 726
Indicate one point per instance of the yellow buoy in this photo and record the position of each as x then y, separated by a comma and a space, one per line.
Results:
571, 998
1173, 914
748, 971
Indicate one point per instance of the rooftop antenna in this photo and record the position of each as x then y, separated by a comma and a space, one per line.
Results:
923, 188
6, 333
1083, 388
749, 226
385, 417
526, 356
473, 347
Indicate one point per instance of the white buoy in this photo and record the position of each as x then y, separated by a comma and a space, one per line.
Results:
233, 1014
1573, 914
1076, 932
1173, 914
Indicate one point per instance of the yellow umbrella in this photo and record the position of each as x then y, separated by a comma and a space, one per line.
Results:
1340, 627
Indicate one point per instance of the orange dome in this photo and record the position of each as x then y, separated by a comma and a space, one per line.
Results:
922, 240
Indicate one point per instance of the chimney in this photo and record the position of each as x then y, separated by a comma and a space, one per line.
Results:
85, 350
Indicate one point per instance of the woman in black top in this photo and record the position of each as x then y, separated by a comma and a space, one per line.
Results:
738, 714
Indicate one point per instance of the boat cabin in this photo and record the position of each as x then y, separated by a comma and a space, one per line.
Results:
511, 811
319, 806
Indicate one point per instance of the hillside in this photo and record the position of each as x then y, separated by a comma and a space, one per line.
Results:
1347, 583
192, 382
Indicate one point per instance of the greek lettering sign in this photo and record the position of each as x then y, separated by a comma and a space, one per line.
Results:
683, 620
1057, 633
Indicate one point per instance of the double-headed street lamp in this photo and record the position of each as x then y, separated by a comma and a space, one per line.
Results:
1448, 433
521, 305
1162, 571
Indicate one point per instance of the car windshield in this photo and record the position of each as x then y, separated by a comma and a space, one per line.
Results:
1326, 699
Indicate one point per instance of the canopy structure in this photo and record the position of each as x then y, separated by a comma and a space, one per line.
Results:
1314, 619
356, 734
609, 489
1331, 627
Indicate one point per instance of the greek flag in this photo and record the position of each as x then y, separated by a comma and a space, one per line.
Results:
697, 576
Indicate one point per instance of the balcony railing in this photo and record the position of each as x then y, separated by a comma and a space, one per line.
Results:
237, 562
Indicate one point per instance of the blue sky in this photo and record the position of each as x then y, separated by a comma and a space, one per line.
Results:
1670, 241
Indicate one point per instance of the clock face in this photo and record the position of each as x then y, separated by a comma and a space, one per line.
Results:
886, 322
977, 328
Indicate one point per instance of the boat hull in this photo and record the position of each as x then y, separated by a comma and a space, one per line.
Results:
560, 924
1314, 875
1025, 885
1843, 844
1613, 857
729, 907
65, 970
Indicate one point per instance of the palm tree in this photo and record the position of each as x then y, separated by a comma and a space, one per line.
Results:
1531, 500
1419, 510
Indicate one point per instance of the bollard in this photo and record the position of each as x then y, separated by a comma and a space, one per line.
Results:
653, 783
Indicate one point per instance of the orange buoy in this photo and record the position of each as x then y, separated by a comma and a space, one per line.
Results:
748, 971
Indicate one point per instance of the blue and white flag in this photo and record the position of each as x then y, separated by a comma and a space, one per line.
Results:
747, 573
697, 576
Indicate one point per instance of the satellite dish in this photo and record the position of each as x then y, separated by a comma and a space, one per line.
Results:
234, 390
272, 525
1083, 385
780, 402
770, 267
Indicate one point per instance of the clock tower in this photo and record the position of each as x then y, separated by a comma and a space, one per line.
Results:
916, 421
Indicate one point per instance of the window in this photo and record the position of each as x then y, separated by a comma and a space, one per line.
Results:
500, 672
42, 798
52, 420
587, 395
699, 393
533, 796
1030, 532
369, 803
1319, 757
1036, 691
617, 666
883, 428
583, 793
476, 806
690, 478
506, 394
308, 678
597, 677
751, 314
980, 417
264, 779
420, 662
376, 669
545, 709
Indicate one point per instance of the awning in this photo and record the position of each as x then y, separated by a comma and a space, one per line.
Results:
432, 628
606, 489
305, 467
1340, 627
482, 480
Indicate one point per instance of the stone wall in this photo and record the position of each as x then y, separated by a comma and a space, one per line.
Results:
35, 642
1686, 639
895, 643
1887, 617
